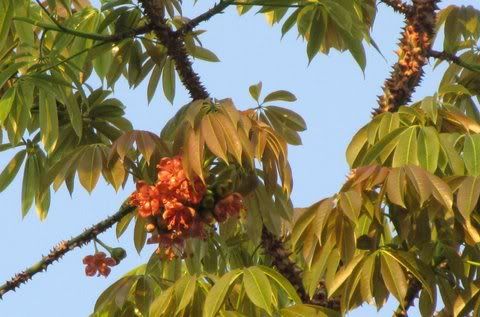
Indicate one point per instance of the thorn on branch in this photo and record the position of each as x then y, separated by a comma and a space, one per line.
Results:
398, 6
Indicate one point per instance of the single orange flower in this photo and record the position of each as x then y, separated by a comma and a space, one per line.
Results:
98, 263
178, 217
228, 206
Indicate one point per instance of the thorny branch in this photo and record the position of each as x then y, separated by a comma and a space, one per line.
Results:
175, 48
414, 46
62, 248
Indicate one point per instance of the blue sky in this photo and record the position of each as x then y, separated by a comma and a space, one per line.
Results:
333, 95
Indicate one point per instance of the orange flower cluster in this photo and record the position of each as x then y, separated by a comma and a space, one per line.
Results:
174, 200
172, 207
174, 197
98, 263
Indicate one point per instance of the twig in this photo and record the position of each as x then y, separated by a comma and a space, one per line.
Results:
63, 247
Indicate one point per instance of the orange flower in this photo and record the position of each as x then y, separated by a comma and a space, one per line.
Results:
167, 244
170, 172
98, 263
173, 183
147, 198
228, 206
178, 217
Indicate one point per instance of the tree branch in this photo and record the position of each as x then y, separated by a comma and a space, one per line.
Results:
280, 257
414, 47
63, 247
398, 6
175, 49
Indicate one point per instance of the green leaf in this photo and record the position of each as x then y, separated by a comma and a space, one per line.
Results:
168, 79
380, 146
11, 170
471, 154
454, 160
153, 82
204, 54
280, 95
258, 288
288, 117
282, 282
317, 32
6, 15
10, 71
6, 103
428, 148
406, 150
74, 113
396, 186
468, 194
139, 234
355, 147
48, 119
418, 177
188, 290
421, 271
162, 304
351, 203
441, 191
255, 90
430, 107
216, 295
30, 183
394, 278
123, 224
344, 273
90, 168
214, 137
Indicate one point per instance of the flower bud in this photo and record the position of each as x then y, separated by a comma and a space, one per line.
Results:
118, 254
150, 227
